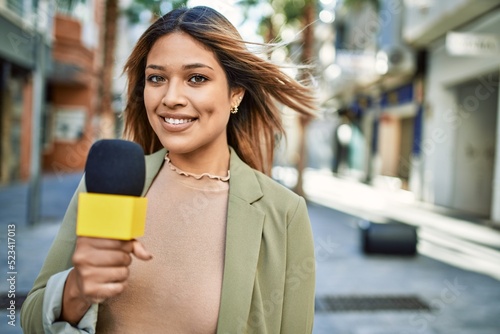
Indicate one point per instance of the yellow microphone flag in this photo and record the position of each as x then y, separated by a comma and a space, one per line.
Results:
110, 216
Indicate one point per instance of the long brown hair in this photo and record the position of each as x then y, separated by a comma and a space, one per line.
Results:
252, 132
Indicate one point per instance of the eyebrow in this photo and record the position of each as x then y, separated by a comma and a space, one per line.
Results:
185, 67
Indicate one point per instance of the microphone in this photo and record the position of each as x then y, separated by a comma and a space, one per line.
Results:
112, 208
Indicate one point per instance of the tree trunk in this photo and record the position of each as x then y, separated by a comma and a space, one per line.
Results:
308, 32
106, 111
306, 58
270, 35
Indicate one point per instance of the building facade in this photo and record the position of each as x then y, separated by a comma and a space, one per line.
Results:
25, 45
419, 83
460, 146
377, 92
50, 69
71, 120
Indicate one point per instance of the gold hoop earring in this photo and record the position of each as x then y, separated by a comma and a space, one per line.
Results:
234, 110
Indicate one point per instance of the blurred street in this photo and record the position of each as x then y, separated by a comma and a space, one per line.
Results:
407, 132
460, 301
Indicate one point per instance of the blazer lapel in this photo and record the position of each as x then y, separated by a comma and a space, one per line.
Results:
153, 164
243, 239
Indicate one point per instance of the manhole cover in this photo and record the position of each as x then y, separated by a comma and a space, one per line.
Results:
369, 303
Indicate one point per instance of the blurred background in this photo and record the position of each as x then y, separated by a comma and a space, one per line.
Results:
406, 143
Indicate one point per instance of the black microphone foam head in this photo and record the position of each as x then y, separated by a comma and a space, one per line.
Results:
115, 166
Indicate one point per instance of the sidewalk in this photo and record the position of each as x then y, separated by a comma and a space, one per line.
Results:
56, 192
31, 243
456, 241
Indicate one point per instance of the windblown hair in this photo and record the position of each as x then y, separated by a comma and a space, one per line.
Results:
252, 132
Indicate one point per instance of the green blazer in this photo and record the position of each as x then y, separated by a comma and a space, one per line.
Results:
269, 270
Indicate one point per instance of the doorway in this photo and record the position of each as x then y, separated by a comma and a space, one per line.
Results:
475, 145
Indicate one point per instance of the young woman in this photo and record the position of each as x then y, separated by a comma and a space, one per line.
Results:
233, 250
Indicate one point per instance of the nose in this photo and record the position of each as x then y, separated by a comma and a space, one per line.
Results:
174, 96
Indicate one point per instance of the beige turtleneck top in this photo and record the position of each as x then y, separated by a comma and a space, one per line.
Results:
179, 290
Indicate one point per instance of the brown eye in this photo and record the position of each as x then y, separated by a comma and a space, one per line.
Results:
197, 79
155, 79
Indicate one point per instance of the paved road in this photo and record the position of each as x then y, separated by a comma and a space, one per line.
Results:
462, 302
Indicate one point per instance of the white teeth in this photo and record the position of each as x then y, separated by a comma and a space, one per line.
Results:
176, 121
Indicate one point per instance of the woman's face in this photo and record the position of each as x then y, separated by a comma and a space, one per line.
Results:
187, 96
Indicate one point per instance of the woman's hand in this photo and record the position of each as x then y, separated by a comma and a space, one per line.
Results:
100, 272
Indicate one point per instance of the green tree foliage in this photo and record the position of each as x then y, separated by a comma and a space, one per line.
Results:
299, 15
156, 7
358, 4
292, 11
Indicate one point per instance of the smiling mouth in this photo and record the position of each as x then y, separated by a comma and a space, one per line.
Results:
176, 121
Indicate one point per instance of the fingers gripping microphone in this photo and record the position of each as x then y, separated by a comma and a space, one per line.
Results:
114, 176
